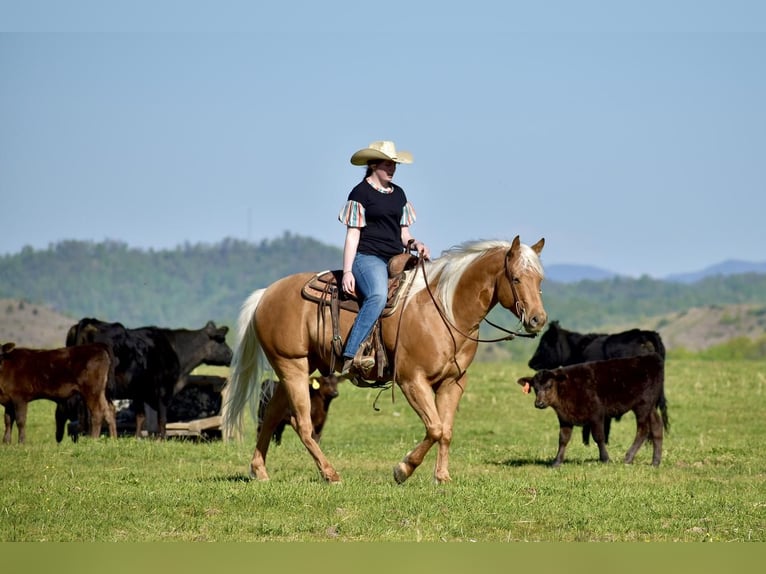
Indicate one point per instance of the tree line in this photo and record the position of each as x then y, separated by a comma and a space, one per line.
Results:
194, 283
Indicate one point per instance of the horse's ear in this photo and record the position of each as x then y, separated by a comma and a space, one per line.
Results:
538, 247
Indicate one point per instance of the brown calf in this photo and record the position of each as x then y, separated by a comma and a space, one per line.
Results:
275, 410
30, 374
588, 393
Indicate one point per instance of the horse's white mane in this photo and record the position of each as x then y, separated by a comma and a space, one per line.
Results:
453, 262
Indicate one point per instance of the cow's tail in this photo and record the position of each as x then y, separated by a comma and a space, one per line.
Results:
248, 366
662, 403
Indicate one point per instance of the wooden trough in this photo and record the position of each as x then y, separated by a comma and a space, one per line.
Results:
206, 428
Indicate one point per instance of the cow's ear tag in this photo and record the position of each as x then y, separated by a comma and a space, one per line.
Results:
315, 384
525, 388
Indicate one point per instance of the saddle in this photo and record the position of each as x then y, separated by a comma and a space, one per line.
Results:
324, 289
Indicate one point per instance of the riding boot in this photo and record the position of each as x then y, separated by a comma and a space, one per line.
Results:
353, 368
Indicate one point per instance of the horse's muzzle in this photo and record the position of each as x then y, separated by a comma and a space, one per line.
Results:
536, 323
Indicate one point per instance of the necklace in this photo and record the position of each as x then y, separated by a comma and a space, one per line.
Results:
380, 189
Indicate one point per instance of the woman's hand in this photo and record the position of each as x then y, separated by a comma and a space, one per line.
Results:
348, 283
421, 248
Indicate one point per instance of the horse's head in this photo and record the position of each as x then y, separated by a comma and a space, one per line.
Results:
519, 287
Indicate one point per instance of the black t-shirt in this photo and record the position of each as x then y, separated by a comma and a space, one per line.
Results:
382, 235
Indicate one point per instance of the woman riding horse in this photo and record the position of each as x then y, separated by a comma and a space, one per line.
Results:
431, 338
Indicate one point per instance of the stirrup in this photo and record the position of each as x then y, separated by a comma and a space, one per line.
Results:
358, 370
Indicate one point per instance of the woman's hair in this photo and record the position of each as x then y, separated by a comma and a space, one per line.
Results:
370, 167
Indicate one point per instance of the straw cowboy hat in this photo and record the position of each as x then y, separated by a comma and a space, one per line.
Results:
381, 150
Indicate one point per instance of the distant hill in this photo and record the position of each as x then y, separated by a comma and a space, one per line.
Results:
730, 267
572, 273
33, 326
702, 327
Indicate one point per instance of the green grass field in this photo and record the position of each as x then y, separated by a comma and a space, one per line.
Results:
710, 486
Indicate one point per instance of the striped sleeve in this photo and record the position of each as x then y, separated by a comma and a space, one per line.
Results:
352, 214
408, 215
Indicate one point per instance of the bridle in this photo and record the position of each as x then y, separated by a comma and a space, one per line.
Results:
519, 304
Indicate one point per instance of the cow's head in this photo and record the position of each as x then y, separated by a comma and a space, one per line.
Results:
217, 352
553, 349
325, 387
544, 385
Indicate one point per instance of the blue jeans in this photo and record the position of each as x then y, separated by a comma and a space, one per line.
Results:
371, 276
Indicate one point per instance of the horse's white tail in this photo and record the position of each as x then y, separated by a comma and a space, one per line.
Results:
247, 369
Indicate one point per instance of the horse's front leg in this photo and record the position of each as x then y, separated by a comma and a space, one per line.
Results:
295, 380
447, 399
421, 399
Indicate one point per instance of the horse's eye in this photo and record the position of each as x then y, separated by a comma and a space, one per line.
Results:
516, 281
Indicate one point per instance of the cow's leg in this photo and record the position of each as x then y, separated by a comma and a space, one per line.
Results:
586, 434
84, 423
62, 416
642, 431
96, 412
10, 416
111, 418
599, 435
447, 399
101, 409
565, 433
421, 398
607, 428
21, 421
138, 405
657, 432
162, 418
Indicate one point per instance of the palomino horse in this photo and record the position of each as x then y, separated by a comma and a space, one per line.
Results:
431, 339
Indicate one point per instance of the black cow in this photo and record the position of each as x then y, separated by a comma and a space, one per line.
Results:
559, 347
151, 363
322, 391
589, 393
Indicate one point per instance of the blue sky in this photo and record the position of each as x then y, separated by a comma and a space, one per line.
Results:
631, 135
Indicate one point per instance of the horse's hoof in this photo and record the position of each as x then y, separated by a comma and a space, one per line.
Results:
400, 473
334, 478
260, 478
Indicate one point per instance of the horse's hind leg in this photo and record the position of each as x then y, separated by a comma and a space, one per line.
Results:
272, 416
298, 393
421, 399
295, 380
